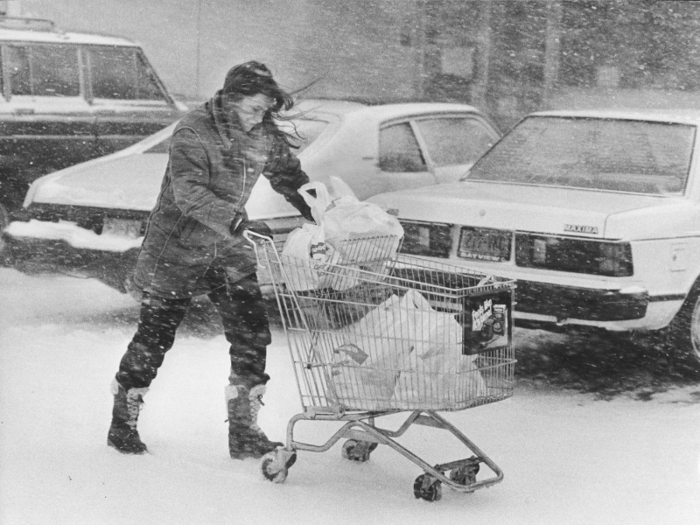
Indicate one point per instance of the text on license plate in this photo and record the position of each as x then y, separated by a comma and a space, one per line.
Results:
485, 244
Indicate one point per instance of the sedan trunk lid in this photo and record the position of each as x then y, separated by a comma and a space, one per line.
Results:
542, 209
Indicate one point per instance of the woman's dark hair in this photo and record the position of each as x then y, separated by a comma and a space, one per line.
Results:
254, 78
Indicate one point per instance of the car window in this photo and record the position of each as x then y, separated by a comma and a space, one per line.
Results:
55, 71
18, 67
455, 141
399, 151
121, 74
604, 154
41, 70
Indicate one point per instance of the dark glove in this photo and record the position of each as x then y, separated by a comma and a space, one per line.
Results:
306, 212
259, 227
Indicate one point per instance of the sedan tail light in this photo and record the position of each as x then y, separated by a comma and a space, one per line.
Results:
427, 238
566, 254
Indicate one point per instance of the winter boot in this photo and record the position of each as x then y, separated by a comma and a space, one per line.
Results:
245, 438
123, 435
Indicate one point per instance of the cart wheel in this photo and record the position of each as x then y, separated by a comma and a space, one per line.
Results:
357, 450
275, 465
428, 488
465, 475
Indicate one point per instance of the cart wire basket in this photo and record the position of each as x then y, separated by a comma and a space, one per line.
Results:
372, 333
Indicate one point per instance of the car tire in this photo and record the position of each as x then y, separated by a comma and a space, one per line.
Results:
684, 335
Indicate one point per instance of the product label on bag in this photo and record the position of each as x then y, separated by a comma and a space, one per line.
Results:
320, 252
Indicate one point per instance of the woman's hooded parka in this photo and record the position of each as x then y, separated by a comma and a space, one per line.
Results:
212, 169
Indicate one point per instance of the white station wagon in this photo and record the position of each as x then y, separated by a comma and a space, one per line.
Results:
595, 214
68, 97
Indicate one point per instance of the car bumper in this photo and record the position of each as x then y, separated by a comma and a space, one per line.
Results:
546, 298
37, 255
589, 304
612, 309
64, 247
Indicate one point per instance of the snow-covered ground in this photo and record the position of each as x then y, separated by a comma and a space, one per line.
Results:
567, 458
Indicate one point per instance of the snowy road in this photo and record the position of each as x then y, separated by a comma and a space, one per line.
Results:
567, 458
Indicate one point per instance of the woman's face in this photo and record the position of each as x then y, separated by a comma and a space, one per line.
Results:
251, 110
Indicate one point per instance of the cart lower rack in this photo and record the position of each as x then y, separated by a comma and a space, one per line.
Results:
374, 335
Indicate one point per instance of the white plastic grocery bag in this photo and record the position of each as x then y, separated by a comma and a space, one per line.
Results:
364, 365
345, 216
403, 354
439, 382
317, 197
338, 238
306, 256
434, 373
357, 385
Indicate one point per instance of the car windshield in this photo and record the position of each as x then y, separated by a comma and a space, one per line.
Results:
602, 154
304, 130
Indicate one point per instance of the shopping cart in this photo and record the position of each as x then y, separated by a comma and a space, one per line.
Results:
375, 334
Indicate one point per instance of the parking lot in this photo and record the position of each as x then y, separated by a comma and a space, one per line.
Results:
626, 452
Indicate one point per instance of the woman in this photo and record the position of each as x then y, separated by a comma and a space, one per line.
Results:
194, 245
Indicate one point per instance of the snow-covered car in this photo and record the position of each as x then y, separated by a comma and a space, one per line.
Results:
89, 219
595, 214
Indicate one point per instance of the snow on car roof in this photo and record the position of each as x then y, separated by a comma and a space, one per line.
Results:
339, 107
682, 116
59, 37
391, 111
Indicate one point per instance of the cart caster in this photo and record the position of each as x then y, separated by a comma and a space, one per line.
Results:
466, 474
427, 487
357, 450
275, 465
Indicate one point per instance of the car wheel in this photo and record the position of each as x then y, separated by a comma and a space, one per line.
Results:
685, 330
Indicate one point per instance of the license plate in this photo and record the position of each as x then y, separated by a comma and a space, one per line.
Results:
485, 244
122, 227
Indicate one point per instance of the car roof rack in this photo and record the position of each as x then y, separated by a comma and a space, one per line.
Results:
31, 24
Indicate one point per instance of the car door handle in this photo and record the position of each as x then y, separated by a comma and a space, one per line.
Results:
24, 111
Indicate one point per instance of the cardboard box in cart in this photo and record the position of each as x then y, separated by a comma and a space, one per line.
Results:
487, 322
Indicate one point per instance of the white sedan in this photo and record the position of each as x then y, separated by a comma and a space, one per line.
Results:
595, 214
89, 219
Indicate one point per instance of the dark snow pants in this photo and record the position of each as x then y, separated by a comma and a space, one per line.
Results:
243, 315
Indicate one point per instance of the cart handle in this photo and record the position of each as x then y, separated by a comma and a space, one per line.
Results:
255, 238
